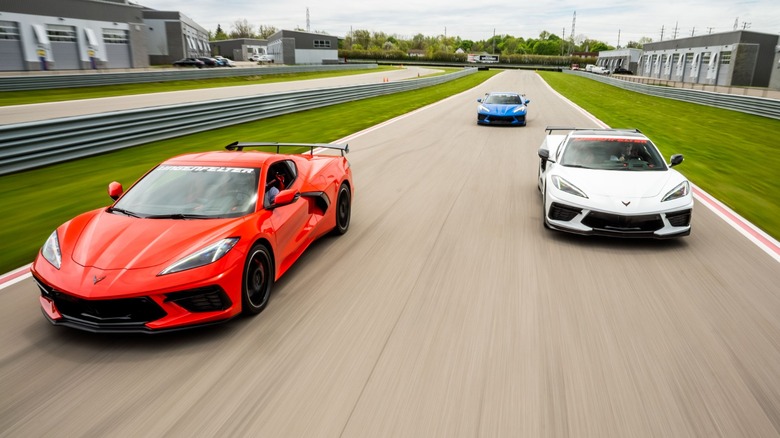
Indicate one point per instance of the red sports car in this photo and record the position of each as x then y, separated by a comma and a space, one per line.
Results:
199, 239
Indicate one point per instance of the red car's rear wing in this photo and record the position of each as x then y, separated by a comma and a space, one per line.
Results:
237, 146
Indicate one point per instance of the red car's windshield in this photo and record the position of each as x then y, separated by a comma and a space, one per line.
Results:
192, 192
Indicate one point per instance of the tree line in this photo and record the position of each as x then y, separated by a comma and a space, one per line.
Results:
363, 43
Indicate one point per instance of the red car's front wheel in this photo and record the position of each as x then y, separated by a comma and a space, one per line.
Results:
258, 280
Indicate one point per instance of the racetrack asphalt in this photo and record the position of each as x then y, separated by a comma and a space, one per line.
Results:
446, 310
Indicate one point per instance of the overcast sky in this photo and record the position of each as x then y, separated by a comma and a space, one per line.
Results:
604, 20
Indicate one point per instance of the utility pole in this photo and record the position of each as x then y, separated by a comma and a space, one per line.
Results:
693, 31
308, 23
674, 36
618, 45
494, 42
736, 23
662, 33
563, 40
571, 37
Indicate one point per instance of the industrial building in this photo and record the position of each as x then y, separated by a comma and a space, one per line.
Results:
170, 35
111, 34
71, 35
626, 58
737, 58
295, 47
239, 49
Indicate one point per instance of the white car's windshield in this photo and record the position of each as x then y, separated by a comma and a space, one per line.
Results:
612, 154
182, 192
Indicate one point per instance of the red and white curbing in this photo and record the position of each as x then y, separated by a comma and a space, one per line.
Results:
15, 276
763, 240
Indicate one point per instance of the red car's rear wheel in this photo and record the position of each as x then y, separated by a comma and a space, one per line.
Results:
343, 209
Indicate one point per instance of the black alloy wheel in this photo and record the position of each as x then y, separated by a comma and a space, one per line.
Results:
258, 280
343, 209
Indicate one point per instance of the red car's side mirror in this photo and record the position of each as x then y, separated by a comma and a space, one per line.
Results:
286, 197
115, 190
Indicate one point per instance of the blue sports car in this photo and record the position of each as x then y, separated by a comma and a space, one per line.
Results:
502, 109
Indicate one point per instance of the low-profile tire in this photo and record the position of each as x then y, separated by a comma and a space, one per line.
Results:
343, 210
544, 211
258, 280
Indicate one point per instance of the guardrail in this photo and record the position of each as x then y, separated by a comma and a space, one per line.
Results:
89, 79
29, 145
759, 106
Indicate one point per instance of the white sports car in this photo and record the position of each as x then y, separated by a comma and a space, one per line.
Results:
612, 182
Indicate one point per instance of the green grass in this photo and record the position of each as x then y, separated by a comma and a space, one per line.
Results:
34, 203
63, 94
731, 155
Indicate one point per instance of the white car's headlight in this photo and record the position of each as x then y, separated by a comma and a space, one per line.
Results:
51, 250
567, 187
205, 256
681, 190
484, 109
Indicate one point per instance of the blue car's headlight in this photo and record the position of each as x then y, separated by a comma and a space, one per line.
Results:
680, 191
567, 187
483, 109
51, 250
205, 256
519, 109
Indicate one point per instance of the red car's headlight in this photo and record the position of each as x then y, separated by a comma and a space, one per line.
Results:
51, 250
205, 256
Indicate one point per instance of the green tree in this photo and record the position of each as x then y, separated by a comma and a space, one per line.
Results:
466, 45
418, 42
263, 31
362, 37
219, 35
242, 29
546, 47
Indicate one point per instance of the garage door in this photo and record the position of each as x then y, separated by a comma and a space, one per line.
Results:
117, 46
64, 47
11, 57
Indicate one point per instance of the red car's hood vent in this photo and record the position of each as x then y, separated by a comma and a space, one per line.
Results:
111, 241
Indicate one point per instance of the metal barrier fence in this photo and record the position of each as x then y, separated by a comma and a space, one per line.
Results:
25, 146
759, 106
86, 79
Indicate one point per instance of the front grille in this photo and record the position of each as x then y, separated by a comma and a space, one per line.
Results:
623, 224
561, 212
481, 117
502, 119
103, 313
679, 218
206, 299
